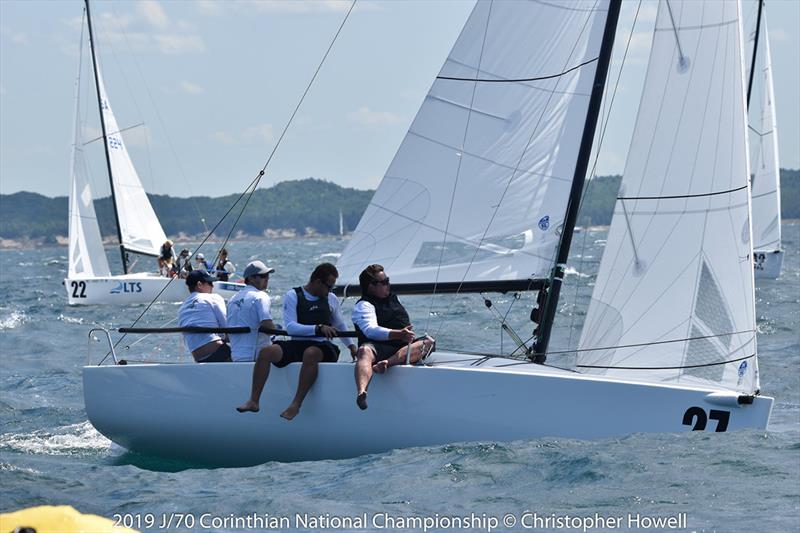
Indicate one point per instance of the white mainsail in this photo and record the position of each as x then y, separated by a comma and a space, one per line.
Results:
765, 186
674, 297
87, 258
141, 232
478, 188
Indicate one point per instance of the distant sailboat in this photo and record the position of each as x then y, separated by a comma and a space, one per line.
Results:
483, 195
341, 224
765, 169
89, 279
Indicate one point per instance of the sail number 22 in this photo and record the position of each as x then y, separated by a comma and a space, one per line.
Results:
78, 289
697, 417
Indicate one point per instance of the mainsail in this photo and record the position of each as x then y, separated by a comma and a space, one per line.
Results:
86, 255
479, 186
766, 194
674, 297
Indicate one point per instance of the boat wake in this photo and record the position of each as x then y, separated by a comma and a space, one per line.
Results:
73, 439
13, 320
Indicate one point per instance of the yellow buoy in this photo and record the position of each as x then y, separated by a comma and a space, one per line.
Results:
58, 519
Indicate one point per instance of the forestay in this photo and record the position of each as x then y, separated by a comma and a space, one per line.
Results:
86, 255
766, 194
674, 297
478, 188
139, 227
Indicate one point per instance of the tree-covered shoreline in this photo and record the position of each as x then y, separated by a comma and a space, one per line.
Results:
303, 207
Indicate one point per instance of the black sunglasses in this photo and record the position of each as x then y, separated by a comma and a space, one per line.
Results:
380, 281
262, 276
330, 287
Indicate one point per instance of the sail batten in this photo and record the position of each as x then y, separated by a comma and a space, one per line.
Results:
677, 262
478, 189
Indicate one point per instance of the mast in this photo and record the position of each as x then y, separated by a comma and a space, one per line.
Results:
581, 166
105, 138
755, 49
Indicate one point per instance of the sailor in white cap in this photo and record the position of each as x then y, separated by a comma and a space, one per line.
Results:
250, 308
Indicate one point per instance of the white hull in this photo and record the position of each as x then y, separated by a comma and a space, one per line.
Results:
767, 263
134, 289
187, 411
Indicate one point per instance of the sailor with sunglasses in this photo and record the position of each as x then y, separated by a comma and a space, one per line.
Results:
384, 331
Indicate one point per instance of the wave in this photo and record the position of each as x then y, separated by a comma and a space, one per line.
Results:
74, 439
13, 320
70, 320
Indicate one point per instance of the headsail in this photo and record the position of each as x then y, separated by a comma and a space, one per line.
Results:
479, 186
86, 255
766, 194
140, 229
674, 297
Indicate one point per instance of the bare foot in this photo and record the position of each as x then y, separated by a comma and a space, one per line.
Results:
380, 367
248, 407
361, 400
290, 412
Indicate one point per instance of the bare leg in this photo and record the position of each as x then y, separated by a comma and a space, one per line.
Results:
271, 354
308, 375
365, 358
417, 350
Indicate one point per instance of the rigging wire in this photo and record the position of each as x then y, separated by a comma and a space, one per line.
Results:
254, 183
513, 173
602, 135
289, 122
181, 172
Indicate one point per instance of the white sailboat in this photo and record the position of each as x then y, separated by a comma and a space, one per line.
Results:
482, 195
89, 279
766, 182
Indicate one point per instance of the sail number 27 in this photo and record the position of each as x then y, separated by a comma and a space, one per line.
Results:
697, 417
78, 289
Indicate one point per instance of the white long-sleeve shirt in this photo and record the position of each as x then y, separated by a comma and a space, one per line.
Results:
367, 321
305, 332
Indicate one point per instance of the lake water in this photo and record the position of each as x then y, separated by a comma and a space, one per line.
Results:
50, 454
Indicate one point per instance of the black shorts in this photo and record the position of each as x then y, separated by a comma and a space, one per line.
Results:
222, 355
383, 351
293, 351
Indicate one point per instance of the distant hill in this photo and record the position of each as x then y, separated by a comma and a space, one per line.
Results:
302, 206
309, 204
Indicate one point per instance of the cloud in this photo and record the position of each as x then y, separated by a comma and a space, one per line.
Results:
15, 37
259, 134
215, 8
367, 117
262, 132
153, 13
179, 44
223, 137
779, 34
191, 88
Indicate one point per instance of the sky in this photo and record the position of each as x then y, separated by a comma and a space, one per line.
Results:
207, 87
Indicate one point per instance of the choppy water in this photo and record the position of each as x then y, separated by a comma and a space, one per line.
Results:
50, 454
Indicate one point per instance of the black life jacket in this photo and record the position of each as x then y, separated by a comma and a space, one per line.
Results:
222, 274
310, 312
390, 314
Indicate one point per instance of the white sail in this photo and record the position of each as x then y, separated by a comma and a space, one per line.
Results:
141, 232
674, 297
86, 255
479, 186
765, 186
